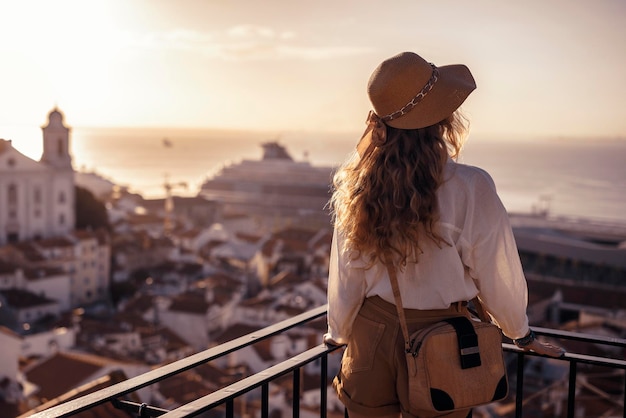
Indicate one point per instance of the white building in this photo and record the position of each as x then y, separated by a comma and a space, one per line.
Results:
11, 343
37, 197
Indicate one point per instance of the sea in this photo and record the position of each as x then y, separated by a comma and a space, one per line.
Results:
577, 178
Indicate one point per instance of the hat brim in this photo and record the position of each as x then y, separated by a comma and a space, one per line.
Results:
454, 85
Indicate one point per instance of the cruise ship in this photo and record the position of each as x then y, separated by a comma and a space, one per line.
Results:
275, 187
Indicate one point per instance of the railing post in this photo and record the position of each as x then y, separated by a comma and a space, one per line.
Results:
519, 389
296, 393
265, 400
624, 400
571, 390
230, 408
324, 386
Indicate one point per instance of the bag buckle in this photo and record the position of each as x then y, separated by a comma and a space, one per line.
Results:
468, 341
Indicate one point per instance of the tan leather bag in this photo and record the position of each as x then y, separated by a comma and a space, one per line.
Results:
453, 364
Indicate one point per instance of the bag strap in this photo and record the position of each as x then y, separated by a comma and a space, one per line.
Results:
391, 269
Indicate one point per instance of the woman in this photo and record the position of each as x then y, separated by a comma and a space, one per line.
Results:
402, 198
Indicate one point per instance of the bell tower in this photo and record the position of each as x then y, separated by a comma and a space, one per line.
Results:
56, 142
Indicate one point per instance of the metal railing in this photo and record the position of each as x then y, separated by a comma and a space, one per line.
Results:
226, 396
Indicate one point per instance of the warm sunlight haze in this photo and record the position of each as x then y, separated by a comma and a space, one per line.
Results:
542, 68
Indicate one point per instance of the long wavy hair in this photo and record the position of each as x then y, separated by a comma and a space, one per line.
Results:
386, 202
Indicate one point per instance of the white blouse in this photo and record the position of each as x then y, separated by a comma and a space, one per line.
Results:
483, 260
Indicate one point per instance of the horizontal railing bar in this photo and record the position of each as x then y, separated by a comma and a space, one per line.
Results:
119, 389
577, 336
137, 408
249, 383
572, 357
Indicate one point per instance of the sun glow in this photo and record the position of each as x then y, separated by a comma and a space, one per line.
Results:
60, 53
25, 139
208, 64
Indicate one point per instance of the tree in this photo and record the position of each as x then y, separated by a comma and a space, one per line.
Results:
91, 213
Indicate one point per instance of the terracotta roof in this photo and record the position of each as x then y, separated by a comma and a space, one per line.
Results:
319, 324
252, 239
264, 349
141, 303
10, 409
214, 375
258, 301
223, 295
290, 310
106, 410
19, 298
191, 302
286, 279
8, 267
235, 331
134, 319
55, 242
267, 249
172, 341
99, 327
84, 234
60, 373
27, 251
191, 233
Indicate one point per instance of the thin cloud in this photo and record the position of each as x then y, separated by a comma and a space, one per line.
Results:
323, 53
243, 42
251, 31
179, 39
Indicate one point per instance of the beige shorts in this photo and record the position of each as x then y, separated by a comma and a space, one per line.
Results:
373, 378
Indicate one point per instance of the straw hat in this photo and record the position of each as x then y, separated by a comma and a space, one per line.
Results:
407, 92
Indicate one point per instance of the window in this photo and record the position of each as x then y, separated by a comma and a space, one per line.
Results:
62, 219
62, 197
12, 194
60, 148
37, 195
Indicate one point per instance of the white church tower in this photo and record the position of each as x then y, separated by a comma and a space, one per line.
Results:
37, 198
56, 142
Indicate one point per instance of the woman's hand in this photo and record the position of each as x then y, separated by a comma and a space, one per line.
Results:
530, 343
545, 349
329, 341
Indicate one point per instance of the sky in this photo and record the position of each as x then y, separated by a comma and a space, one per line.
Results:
543, 68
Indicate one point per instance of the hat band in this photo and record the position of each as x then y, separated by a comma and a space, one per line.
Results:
418, 98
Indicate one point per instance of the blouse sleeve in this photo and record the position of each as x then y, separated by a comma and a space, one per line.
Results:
494, 263
346, 293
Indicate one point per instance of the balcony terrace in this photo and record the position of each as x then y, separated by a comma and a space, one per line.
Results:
571, 393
